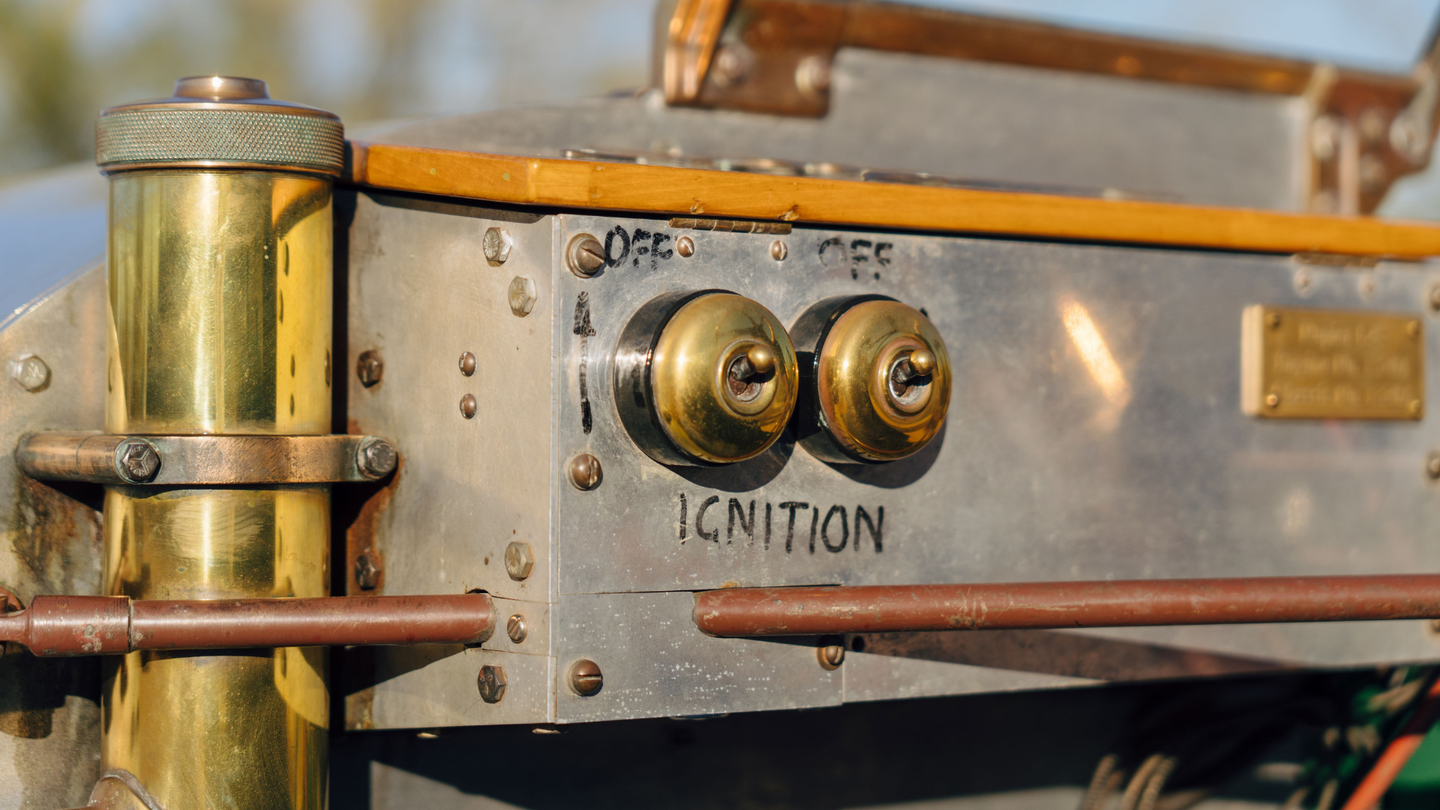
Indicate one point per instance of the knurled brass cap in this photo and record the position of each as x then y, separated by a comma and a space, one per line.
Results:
219, 122
882, 380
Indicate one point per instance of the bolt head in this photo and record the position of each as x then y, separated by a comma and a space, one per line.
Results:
30, 372
585, 472
519, 560
778, 250
367, 573
497, 244
138, 460
370, 367
585, 677
685, 246
831, 656
376, 457
491, 683
586, 256
522, 296
517, 628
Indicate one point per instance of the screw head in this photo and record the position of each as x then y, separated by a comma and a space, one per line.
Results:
491, 683
1273, 320
585, 677
467, 364
376, 457
370, 368
137, 460
685, 246
522, 296
812, 76
367, 572
778, 250
519, 560
586, 256
497, 244
1435, 297
831, 656
30, 372
468, 406
585, 472
517, 628
1272, 400
731, 65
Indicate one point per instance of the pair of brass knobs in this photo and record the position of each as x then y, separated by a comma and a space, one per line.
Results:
711, 377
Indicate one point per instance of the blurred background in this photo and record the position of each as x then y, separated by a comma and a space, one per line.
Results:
61, 61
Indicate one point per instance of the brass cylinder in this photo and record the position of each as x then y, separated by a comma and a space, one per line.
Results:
219, 322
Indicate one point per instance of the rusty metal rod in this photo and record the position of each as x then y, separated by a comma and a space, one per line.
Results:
103, 625
1050, 605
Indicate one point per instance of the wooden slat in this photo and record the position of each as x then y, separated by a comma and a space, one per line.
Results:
670, 191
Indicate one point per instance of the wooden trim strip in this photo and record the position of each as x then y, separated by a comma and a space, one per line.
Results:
670, 191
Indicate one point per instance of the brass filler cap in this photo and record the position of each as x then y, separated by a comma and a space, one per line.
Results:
708, 378
881, 380
219, 122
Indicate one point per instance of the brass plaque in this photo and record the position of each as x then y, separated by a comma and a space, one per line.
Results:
1324, 364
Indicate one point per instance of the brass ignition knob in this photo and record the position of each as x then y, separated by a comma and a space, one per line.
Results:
876, 376
705, 378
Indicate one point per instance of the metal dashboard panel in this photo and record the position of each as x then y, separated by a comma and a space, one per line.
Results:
1095, 432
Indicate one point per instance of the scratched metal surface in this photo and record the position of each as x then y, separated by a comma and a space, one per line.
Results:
1095, 432
981, 122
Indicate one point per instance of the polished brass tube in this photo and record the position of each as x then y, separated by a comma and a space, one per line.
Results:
219, 323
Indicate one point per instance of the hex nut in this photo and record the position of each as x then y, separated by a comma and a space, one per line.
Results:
491, 683
585, 255
370, 368
367, 573
30, 372
585, 677
376, 457
517, 628
522, 296
497, 244
137, 460
519, 560
585, 472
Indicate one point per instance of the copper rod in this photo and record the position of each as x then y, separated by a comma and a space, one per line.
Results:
1051, 605
100, 625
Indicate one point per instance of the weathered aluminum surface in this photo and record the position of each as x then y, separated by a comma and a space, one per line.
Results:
997, 124
198, 460
49, 537
655, 666
422, 293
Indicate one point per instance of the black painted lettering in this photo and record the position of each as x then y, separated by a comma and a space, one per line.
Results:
684, 518
814, 521
583, 328
612, 260
857, 255
641, 250
793, 506
844, 529
746, 525
882, 248
713, 536
835, 247
767, 527
656, 253
877, 528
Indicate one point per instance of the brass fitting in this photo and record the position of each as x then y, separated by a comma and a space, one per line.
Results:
705, 378
876, 378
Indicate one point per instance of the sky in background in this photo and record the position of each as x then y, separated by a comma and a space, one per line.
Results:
61, 61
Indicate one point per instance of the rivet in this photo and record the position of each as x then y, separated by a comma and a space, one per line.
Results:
685, 246
585, 255
367, 573
1273, 320
1272, 400
1432, 465
519, 560
585, 472
497, 245
585, 677
30, 372
831, 656
467, 406
467, 364
517, 628
778, 250
370, 368
1435, 297
491, 683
